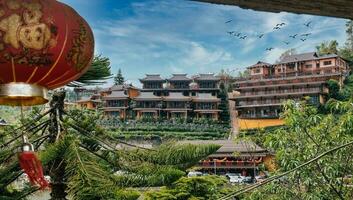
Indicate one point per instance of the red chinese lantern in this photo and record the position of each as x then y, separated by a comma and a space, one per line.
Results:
44, 44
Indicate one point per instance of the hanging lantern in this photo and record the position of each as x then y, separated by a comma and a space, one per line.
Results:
44, 44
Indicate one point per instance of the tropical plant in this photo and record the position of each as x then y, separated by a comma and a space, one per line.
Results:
315, 148
97, 73
194, 188
82, 159
325, 48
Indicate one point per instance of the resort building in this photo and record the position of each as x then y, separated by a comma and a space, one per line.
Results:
116, 100
262, 94
177, 105
243, 157
206, 106
176, 97
183, 96
93, 102
147, 105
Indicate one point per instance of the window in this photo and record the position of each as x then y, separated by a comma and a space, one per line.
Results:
279, 70
308, 66
317, 65
256, 71
328, 62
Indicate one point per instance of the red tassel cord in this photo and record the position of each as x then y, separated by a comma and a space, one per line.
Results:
33, 168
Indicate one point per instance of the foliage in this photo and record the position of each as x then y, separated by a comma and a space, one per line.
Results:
307, 134
97, 74
119, 79
91, 161
194, 188
334, 89
287, 53
200, 129
326, 47
224, 115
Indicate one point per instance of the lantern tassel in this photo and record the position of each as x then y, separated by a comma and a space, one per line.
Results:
32, 166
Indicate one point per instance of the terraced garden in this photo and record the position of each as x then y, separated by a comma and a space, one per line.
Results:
167, 130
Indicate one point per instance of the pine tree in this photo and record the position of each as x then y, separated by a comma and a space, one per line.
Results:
119, 79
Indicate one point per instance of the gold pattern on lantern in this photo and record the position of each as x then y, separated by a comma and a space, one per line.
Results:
30, 32
13, 4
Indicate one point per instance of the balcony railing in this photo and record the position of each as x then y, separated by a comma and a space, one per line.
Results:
229, 164
284, 91
291, 75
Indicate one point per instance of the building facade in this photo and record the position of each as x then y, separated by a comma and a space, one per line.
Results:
182, 96
294, 77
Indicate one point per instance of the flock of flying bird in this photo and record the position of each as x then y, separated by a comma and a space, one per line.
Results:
302, 37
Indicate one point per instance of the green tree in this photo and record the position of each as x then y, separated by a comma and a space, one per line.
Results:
306, 135
195, 188
289, 52
82, 159
119, 79
97, 73
334, 89
349, 32
224, 115
325, 48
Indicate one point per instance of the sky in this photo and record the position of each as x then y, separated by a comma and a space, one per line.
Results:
179, 36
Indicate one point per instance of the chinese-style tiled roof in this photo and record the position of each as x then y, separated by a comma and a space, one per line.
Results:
260, 64
147, 96
152, 77
229, 147
176, 96
116, 95
207, 77
298, 57
205, 97
328, 56
179, 77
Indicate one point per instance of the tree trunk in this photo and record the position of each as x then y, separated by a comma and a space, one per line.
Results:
57, 169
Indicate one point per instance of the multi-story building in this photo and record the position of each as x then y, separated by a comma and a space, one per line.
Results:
116, 100
183, 96
293, 77
175, 97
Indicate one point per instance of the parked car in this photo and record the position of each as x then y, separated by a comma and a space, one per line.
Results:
194, 174
228, 175
248, 179
236, 179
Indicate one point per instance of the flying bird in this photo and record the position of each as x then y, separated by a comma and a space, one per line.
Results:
230, 32
287, 43
260, 36
269, 49
307, 24
281, 24
303, 39
243, 37
306, 35
228, 21
237, 35
293, 36
276, 28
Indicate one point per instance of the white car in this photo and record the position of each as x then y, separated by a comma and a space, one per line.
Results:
236, 179
194, 174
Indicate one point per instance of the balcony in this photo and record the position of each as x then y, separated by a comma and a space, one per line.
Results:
284, 92
322, 73
263, 103
228, 164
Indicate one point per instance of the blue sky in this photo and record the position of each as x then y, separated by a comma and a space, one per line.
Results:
179, 36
